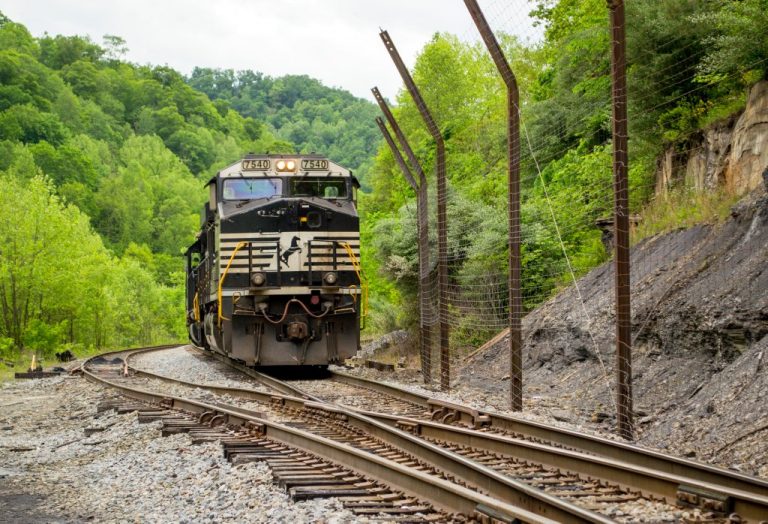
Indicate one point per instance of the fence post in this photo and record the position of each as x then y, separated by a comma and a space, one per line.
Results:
513, 189
425, 335
442, 195
624, 423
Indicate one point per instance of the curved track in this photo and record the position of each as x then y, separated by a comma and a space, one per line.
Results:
366, 447
517, 426
590, 481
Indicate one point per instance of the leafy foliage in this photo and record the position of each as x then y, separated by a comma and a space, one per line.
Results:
300, 110
689, 62
58, 282
102, 166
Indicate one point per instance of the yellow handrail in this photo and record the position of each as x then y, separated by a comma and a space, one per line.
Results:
196, 307
360, 278
238, 247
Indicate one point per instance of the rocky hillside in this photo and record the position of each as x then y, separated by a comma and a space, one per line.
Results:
700, 324
699, 317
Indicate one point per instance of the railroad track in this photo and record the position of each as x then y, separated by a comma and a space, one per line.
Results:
379, 454
609, 486
568, 439
362, 393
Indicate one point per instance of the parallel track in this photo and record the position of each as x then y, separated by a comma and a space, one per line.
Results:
537, 432
629, 453
482, 494
617, 482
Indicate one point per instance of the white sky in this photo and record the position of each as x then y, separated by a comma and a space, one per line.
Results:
335, 41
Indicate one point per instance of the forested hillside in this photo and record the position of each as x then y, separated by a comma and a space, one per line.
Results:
102, 162
690, 63
102, 166
301, 110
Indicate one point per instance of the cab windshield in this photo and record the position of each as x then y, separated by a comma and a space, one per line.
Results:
321, 187
251, 188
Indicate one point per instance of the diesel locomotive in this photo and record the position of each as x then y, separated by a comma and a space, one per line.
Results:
273, 277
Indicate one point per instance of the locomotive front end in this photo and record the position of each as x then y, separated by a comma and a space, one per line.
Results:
274, 277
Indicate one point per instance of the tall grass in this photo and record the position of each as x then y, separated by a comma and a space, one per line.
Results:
683, 208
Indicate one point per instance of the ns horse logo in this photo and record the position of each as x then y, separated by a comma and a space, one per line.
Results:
290, 251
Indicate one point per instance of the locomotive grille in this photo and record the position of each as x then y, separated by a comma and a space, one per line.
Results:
263, 252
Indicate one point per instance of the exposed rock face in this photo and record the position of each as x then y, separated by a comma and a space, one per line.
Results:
731, 154
708, 164
395, 338
749, 155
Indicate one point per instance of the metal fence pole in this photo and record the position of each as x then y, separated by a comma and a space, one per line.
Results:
624, 423
423, 219
399, 160
442, 195
425, 335
513, 158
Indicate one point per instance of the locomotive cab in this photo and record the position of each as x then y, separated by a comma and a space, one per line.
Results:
274, 278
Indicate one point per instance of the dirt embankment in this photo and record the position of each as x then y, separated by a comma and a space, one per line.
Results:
700, 329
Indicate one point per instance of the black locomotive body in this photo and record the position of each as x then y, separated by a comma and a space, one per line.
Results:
273, 278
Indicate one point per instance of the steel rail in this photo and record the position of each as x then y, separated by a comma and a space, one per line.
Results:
673, 488
495, 483
648, 481
644, 458
135, 350
394, 391
629, 453
541, 508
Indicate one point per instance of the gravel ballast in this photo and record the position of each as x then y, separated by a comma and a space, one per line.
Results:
51, 472
185, 363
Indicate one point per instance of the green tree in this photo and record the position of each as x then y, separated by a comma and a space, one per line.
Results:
48, 254
26, 123
115, 47
302, 111
15, 36
59, 51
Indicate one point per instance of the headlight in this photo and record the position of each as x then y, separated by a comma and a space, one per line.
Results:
330, 278
285, 165
258, 279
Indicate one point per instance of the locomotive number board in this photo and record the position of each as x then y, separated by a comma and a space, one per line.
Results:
256, 164
313, 164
